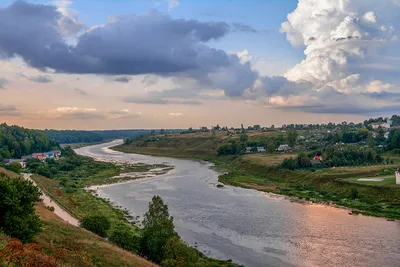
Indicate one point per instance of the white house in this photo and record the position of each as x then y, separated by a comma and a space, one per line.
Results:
284, 148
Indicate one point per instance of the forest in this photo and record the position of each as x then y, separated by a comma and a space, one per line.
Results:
16, 141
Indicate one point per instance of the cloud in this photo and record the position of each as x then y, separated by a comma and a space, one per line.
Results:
40, 79
240, 27
173, 4
150, 80
68, 23
175, 114
152, 43
122, 114
8, 111
122, 79
75, 113
160, 101
349, 48
3, 82
81, 92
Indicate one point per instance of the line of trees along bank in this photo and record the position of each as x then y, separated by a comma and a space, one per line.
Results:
16, 141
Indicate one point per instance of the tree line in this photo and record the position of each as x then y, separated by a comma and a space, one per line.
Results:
16, 142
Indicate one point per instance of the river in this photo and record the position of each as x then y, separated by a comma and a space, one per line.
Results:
251, 227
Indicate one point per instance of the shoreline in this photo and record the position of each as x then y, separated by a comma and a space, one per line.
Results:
291, 198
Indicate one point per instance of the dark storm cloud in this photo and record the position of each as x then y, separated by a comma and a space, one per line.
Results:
122, 79
153, 43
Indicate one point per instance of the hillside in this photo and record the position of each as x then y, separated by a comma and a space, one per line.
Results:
70, 245
192, 145
17, 141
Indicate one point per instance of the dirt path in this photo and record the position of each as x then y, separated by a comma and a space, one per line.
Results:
57, 209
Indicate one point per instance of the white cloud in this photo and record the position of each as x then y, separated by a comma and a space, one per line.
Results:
175, 114
173, 3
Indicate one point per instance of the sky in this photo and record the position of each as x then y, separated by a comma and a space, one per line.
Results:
130, 64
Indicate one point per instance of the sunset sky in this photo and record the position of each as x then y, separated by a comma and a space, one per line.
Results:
130, 64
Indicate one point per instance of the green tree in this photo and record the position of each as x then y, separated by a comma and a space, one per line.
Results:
97, 224
14, 167
370, 141
158, 229
244, 138
291, 137
303, 161
17, 212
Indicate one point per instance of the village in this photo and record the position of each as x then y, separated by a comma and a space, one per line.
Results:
55, 154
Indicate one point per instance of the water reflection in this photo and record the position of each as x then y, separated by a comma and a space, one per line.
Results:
250, 227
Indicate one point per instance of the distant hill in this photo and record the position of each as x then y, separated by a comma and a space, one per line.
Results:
76, 136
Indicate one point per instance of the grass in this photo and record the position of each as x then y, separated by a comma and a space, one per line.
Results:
389, 182
81, 247
74, 246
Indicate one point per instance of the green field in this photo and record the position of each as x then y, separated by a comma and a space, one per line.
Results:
389, 182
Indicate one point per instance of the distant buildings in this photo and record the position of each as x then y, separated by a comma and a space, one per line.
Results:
258, 149
285, 148
41, 156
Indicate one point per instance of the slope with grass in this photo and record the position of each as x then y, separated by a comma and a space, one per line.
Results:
61, 244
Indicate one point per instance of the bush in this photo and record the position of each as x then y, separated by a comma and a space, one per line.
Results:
96, 224
354, 193
50, 208
290, 164
14, 167
126, 239
17, 212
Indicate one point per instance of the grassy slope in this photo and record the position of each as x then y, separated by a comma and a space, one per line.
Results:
258, 171
80, 247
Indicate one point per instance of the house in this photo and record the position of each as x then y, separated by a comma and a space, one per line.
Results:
383, 125
284, 148
261, 149
25, 158
258, 149
57, 153
39, 156
398, 176
315, 162
20, 161
48, 155
387, 135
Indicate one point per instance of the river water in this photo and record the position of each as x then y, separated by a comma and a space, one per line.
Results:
250, 227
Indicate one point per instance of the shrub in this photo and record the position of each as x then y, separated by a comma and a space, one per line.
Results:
290, 164
17, 213
50, 208
354, 193
126, 239
96, 224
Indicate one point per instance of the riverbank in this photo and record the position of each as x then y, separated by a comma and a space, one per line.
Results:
327, 185
76, 192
